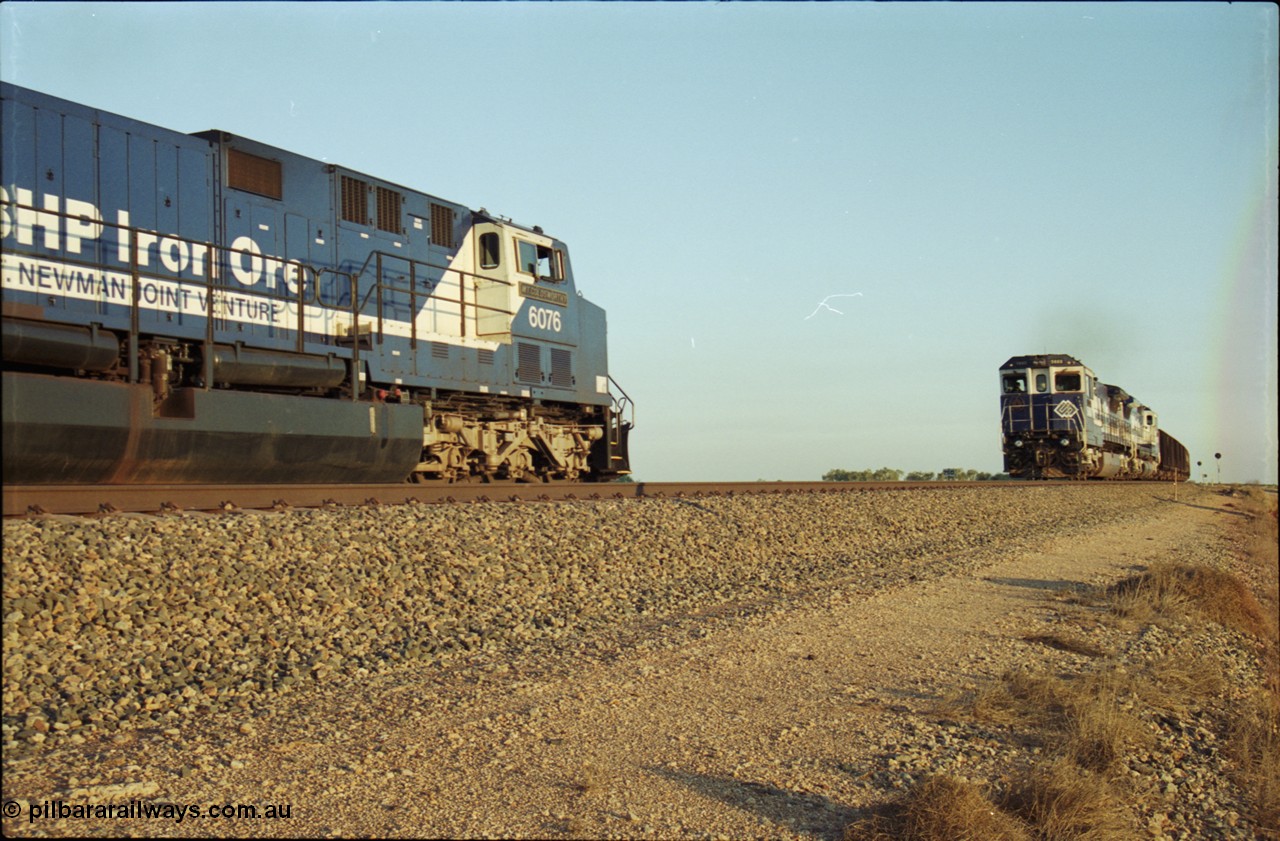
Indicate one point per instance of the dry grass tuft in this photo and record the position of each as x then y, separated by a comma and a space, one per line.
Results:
1177, 680
1260, 552
1063, 803
941, 809
1056, 802
1254, 731
1097, 728
1170, 589
1084, 719
1021, 698
1254, 744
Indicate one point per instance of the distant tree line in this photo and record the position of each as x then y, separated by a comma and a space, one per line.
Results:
891, 474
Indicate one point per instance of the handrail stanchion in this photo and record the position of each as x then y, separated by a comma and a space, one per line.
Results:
135, 319
377, 279
208, 317
300, 280
355, 344
413, 307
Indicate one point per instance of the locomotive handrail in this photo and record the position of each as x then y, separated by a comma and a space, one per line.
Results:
376, 288
135, 305
626, 398
213, 279
1075, 423
623, 406
1006, 417
210, 257
206, 362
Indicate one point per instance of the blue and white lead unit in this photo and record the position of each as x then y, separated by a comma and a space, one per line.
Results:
1058, 421
207, 308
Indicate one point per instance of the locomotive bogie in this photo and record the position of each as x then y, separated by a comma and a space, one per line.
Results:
1059, 421
171, 263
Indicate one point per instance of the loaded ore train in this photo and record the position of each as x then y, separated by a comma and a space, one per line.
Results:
205, 308
1059, 421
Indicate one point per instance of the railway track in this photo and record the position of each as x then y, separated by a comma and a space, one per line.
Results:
34, 500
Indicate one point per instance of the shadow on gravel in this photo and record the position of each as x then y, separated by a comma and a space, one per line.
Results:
1040, 583
1213, 508
810, 814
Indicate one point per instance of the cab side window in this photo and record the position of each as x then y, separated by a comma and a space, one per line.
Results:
540, 261
490, 253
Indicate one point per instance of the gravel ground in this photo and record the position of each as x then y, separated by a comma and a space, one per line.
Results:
754, 666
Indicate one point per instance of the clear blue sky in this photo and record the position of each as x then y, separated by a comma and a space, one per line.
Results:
993, 179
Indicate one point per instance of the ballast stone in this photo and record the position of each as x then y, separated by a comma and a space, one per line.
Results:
122, 623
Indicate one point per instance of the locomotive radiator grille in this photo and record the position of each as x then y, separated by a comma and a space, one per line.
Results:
529, 363
561, 368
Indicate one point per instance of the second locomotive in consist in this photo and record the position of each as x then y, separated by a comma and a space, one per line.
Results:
1058, 421
194, 308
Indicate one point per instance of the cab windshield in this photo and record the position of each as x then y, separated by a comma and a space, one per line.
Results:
1015, 384
1066, 381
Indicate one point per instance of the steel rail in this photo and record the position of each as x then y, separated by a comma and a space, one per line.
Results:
28, 500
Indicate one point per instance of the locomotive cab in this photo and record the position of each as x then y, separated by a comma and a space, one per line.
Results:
1058, 421
1044, 403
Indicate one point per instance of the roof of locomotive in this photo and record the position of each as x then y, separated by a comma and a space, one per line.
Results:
1042, 360
8, 90
227, 138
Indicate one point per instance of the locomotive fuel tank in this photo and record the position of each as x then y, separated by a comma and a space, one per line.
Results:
59, 345
67, 430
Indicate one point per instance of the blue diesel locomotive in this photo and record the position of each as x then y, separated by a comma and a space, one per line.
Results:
1059, 421
196, 308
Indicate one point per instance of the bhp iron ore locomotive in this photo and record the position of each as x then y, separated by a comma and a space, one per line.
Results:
205, 308
1058, 421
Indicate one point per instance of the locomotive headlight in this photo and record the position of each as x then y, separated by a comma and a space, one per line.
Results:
1018, 443
1066, 442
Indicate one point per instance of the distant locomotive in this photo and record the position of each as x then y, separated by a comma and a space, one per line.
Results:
1058, 421
192, 308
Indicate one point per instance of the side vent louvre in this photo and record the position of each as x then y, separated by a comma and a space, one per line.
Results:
441, 226
561, 368
389, 203
355, 200
485, 356
529, 363
254, 174
439, 350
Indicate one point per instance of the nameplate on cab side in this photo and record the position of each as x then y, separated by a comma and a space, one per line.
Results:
546, 296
